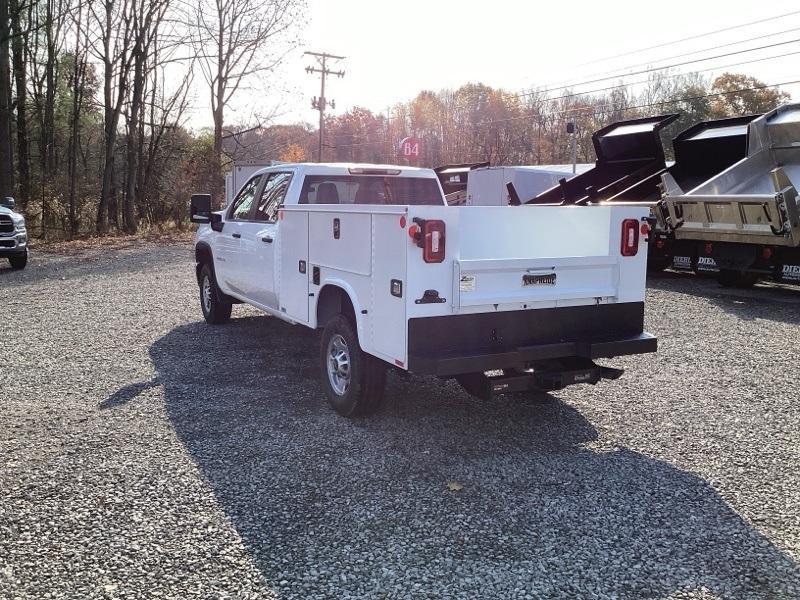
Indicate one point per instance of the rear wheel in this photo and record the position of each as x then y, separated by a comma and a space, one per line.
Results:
739, 279
354, 381
216, 309
18, 262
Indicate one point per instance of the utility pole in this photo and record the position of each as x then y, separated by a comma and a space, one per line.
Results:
321, 103
573, 145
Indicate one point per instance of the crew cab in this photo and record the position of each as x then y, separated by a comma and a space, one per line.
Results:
502, 298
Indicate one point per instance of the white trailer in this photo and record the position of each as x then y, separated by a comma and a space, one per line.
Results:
394, 277
239, 174
488, 186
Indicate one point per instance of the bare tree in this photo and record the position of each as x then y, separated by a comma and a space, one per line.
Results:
6, 148
20, 24
146, 16
112, 46
77, 80
235, 40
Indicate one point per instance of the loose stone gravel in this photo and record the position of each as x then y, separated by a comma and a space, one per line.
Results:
146, 454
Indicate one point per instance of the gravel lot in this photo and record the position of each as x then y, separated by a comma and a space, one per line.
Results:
146, 454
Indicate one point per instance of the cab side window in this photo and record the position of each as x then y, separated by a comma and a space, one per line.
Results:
272, 196
240, 208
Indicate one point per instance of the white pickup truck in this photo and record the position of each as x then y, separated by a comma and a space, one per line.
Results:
504, 299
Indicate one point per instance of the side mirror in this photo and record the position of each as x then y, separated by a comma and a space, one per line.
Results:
216, 221
200, 208
8, 202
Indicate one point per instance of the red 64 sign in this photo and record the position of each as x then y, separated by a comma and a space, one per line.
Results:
409, 148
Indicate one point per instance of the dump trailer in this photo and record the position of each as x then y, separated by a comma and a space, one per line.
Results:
746, 218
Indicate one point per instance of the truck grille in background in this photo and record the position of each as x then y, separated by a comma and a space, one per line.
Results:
6, 224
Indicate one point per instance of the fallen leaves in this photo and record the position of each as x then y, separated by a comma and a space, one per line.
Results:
454, 486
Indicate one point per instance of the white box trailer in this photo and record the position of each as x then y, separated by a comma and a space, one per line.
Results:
488, 186
240, 173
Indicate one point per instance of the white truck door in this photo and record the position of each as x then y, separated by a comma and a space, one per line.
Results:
228, 243
259, 240
295, 269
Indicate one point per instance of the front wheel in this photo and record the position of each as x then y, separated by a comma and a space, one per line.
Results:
18, 262
216, 309
353, 380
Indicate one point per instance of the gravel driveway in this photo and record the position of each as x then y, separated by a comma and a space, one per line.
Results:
146, 454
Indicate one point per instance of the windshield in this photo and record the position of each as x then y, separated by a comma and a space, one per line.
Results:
370, 189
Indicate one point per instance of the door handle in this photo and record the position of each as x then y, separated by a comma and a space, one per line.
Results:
266, 239
236, 235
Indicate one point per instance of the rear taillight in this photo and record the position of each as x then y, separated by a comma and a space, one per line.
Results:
433, 240
430, 236
629, 245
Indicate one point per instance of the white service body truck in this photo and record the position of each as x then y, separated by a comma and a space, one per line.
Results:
505, 299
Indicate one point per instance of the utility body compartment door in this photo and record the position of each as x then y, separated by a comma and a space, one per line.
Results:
295, 269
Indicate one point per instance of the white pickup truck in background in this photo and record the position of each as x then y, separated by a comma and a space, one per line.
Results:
372, 254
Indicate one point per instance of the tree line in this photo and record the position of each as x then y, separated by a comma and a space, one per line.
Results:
478, 123
95, 95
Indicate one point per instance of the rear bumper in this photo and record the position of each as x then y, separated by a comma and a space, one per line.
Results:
460, 344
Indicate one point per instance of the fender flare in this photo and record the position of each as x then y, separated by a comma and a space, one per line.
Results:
351, 294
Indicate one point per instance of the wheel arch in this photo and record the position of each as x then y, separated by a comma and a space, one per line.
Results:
202, 255
333, 299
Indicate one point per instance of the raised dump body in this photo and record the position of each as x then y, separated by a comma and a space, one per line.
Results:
630, 165
630, 161
701, 152
746, 218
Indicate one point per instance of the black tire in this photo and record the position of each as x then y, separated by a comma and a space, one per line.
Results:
737, 279
361, 391
216, 309
18, 262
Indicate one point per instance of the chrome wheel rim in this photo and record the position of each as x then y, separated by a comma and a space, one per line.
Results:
206, 293
338, 364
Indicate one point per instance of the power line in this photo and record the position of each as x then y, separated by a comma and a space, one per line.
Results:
675, 76
664, 67
654, 70
688, 38
650, 63
598, 112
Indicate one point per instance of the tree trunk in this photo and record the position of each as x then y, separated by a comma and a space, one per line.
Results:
132, 154
18, 45
6, 151
78, 80
219, 183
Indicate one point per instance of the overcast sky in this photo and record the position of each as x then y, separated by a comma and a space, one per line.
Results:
396, 48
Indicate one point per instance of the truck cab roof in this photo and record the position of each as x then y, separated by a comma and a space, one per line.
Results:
353, 169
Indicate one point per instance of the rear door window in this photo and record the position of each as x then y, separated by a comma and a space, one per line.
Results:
370, 189
272, 196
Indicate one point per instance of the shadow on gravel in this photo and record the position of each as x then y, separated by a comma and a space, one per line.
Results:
362, 507
771, 301
95, 262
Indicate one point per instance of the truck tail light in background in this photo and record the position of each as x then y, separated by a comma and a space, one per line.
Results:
629, 245
430, 236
